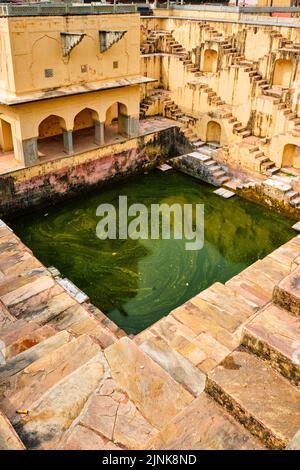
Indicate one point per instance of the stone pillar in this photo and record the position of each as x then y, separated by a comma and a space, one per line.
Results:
68, 141
128, 125
30, 151
99, 132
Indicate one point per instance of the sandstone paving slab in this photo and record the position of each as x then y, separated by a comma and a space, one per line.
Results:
44, 306
92, 327
273, 268
12, 258
258, 396
132, 430
18, 263
46, 424
12, 283
69, 316
154, 392
23, 389
13, 332
81, 438
4, 231
6, 318
180, 368
113, 416
28, 290
204, 318
249, 290
294, 444
25, 358
203, 350
28, 340
223, 297
287, 292
9, 440
274, 334
204, 425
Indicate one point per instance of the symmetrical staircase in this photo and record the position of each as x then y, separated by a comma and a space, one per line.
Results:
202, 164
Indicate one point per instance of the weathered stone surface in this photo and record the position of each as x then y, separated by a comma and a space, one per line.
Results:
132, 430
28, 340
294, 444
45, 425
81, 438
223, 297
265, 402
101, 415
45, 306
287, 293
13, 332
24, 359
204, 425
274, 334
203, 350
6, 318
175, 364
147, 383
202, 317
26, 291
25, 388
9, 440
112, 416
249, 290
93, 328
26, 265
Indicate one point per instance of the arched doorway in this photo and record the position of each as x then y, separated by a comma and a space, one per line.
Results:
85, 129
115, 122
282, 73
8, 158
210, 60
291, 156
213, 132
51, 139
6, 139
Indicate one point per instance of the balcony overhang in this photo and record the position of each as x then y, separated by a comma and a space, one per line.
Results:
69, 41
109, 38
12, 100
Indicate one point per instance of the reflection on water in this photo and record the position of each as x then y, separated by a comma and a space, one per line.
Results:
138, 282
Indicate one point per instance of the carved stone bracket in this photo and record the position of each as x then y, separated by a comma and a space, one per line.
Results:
109, 38
69, 41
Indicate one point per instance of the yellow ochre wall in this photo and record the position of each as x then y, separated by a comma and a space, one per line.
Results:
29, 45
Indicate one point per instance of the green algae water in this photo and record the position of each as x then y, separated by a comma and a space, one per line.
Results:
136, 282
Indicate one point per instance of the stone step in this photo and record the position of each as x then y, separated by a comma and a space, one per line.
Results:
25, 358
249, 290
258, 396
202, 350
13, 332
78, 321
176, 365
26, 339
169, 397
109, 418
204, 425
54, 413
208, 312
25, 388
9, 440
274, 335
287, 292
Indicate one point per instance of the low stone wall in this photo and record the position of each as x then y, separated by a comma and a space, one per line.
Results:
51, 181
259, 195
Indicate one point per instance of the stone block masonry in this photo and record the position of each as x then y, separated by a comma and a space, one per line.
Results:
51, 181
185, 388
